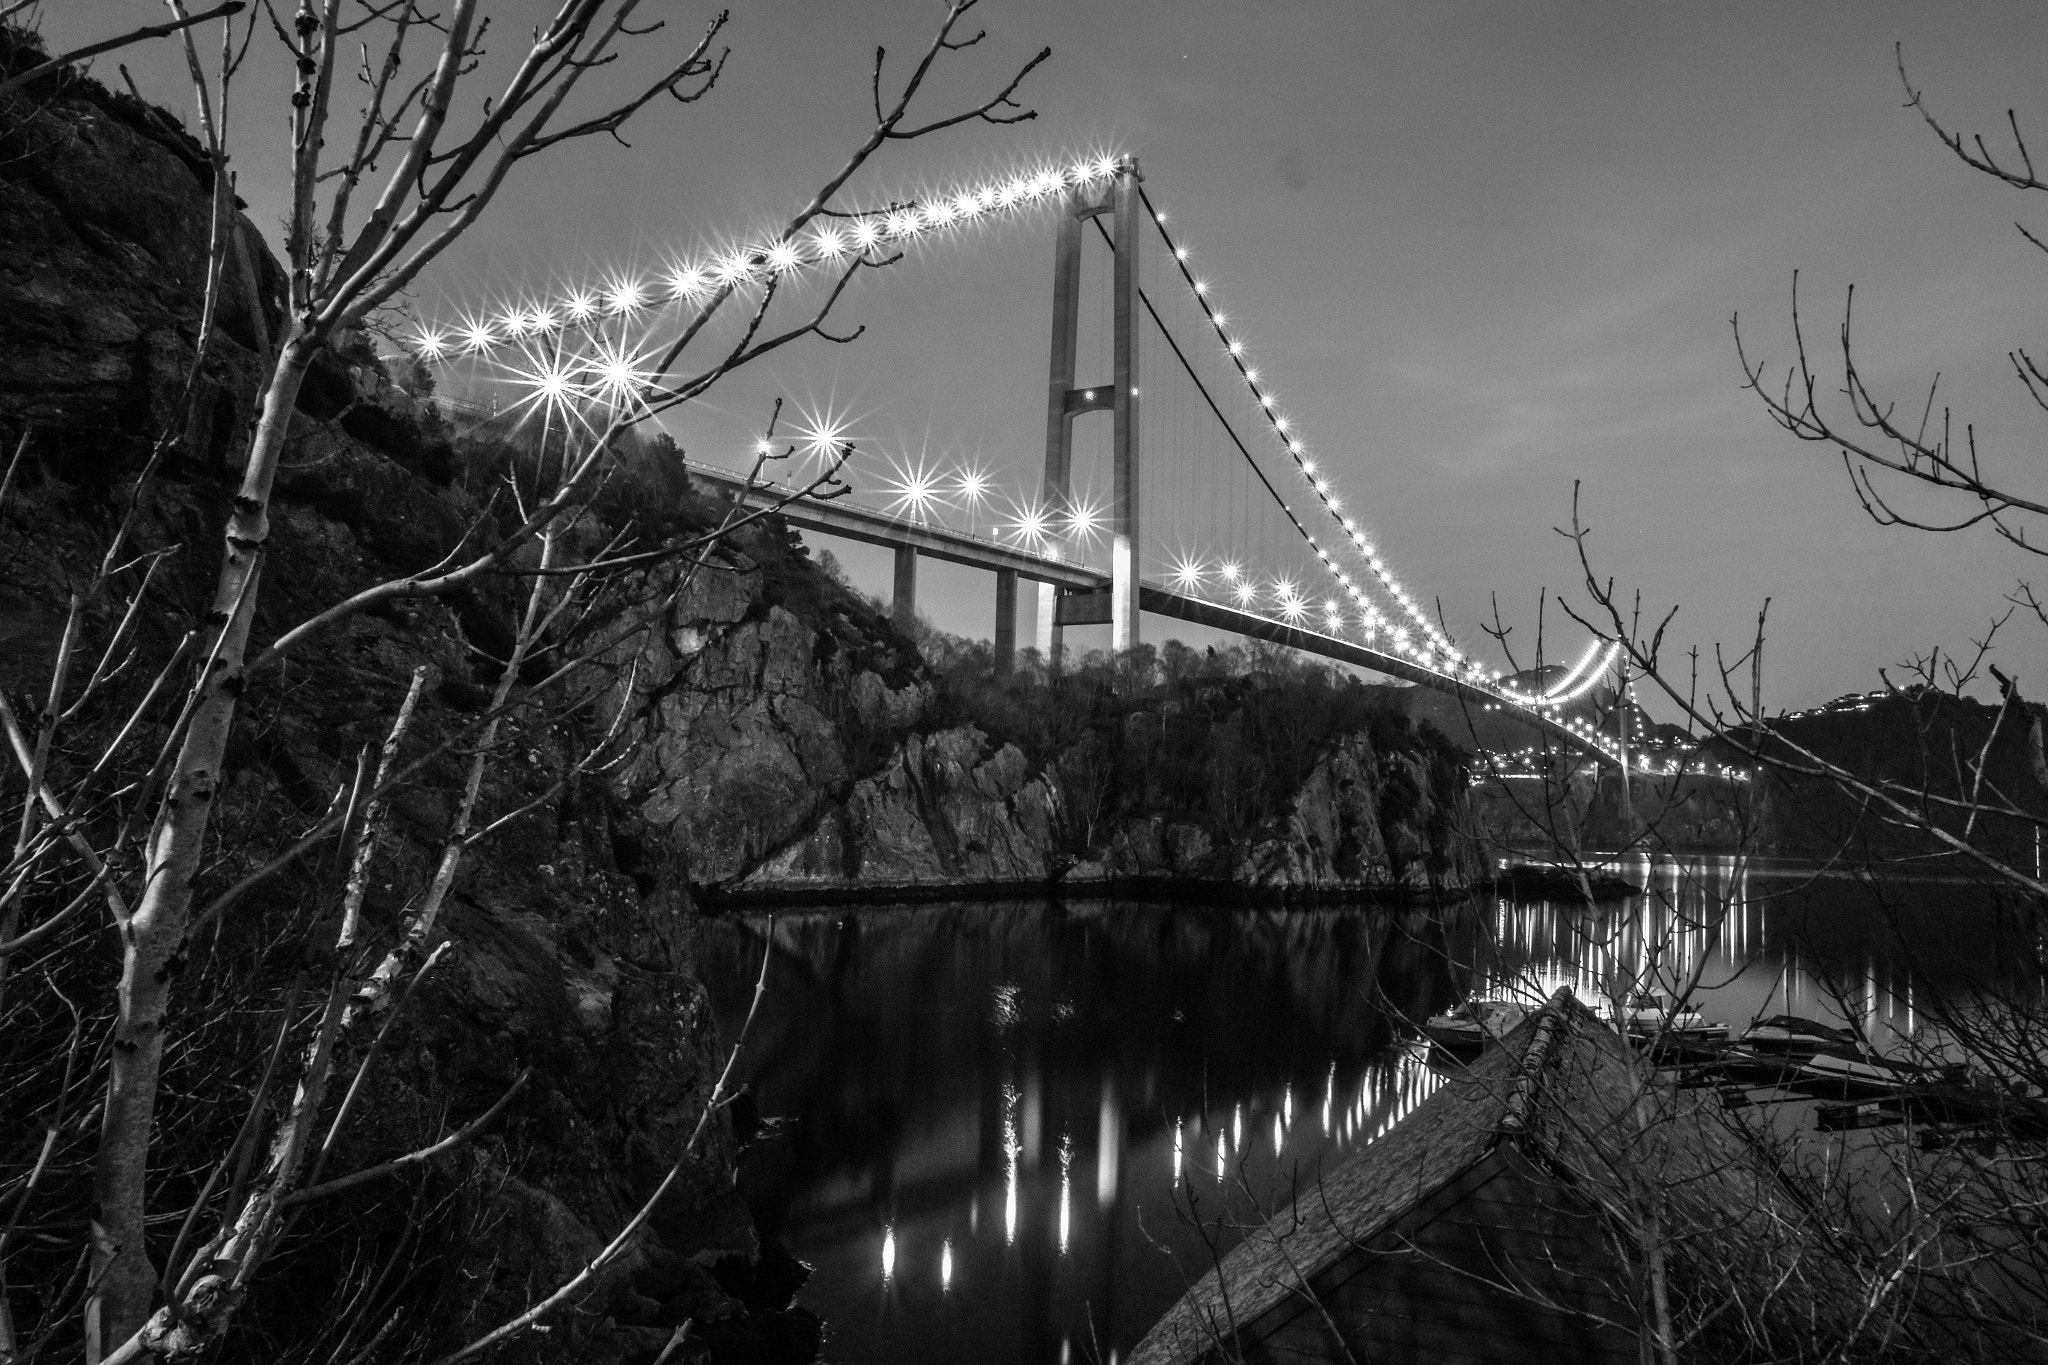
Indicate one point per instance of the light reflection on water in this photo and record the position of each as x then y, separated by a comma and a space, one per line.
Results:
931, 1061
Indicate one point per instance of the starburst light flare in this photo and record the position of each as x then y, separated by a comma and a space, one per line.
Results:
914, 492
1085, 520
617, 375
1031, 526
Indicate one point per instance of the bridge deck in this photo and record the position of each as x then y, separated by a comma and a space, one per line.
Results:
843, 517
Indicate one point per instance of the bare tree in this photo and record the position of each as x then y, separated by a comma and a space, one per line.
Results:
388, 169
1952, 1261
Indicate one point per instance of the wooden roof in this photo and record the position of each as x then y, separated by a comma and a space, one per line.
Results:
1562, 1098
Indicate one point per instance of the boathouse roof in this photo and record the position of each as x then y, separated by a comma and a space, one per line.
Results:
1495, 1222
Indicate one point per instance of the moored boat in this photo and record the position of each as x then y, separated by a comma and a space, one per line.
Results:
1789, 1033
1472, 1025
1655, 1014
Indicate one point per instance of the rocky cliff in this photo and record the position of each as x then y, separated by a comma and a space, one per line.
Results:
952, 809
570, 931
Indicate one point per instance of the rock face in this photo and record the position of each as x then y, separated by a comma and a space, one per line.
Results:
943, 811
750, 720
1364, 819
950, 810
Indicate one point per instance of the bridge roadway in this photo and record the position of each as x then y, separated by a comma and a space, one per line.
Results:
844, 517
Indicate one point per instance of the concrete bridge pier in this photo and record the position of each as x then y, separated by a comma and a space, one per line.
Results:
1006, 621
903, 602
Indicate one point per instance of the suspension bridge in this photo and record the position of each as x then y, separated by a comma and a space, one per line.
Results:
1192, 496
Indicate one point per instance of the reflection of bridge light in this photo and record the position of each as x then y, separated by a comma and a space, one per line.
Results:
1066, 1190
946, 1265
1176, 1151
1222, 1156
1012, 1149
1279, 1135
888, 1254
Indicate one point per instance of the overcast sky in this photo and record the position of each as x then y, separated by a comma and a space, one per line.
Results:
1482, 250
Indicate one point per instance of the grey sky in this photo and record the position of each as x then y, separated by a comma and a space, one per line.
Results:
1482, 249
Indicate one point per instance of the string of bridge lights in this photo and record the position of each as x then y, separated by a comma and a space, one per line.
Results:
613, 373
1321, 487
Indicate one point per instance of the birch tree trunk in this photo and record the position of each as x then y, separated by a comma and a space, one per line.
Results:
153, 938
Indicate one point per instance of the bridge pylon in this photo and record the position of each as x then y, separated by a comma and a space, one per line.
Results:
1119, 397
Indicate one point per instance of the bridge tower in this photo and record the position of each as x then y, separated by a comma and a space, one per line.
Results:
1119, 397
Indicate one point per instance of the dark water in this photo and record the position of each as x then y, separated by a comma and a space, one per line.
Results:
1004, 1127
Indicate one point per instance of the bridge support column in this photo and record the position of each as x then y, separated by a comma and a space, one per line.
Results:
1006, 621
1123, 512
1119, 397
1051, 636
903, 602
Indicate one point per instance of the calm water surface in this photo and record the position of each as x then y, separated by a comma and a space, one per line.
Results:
995, 1118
